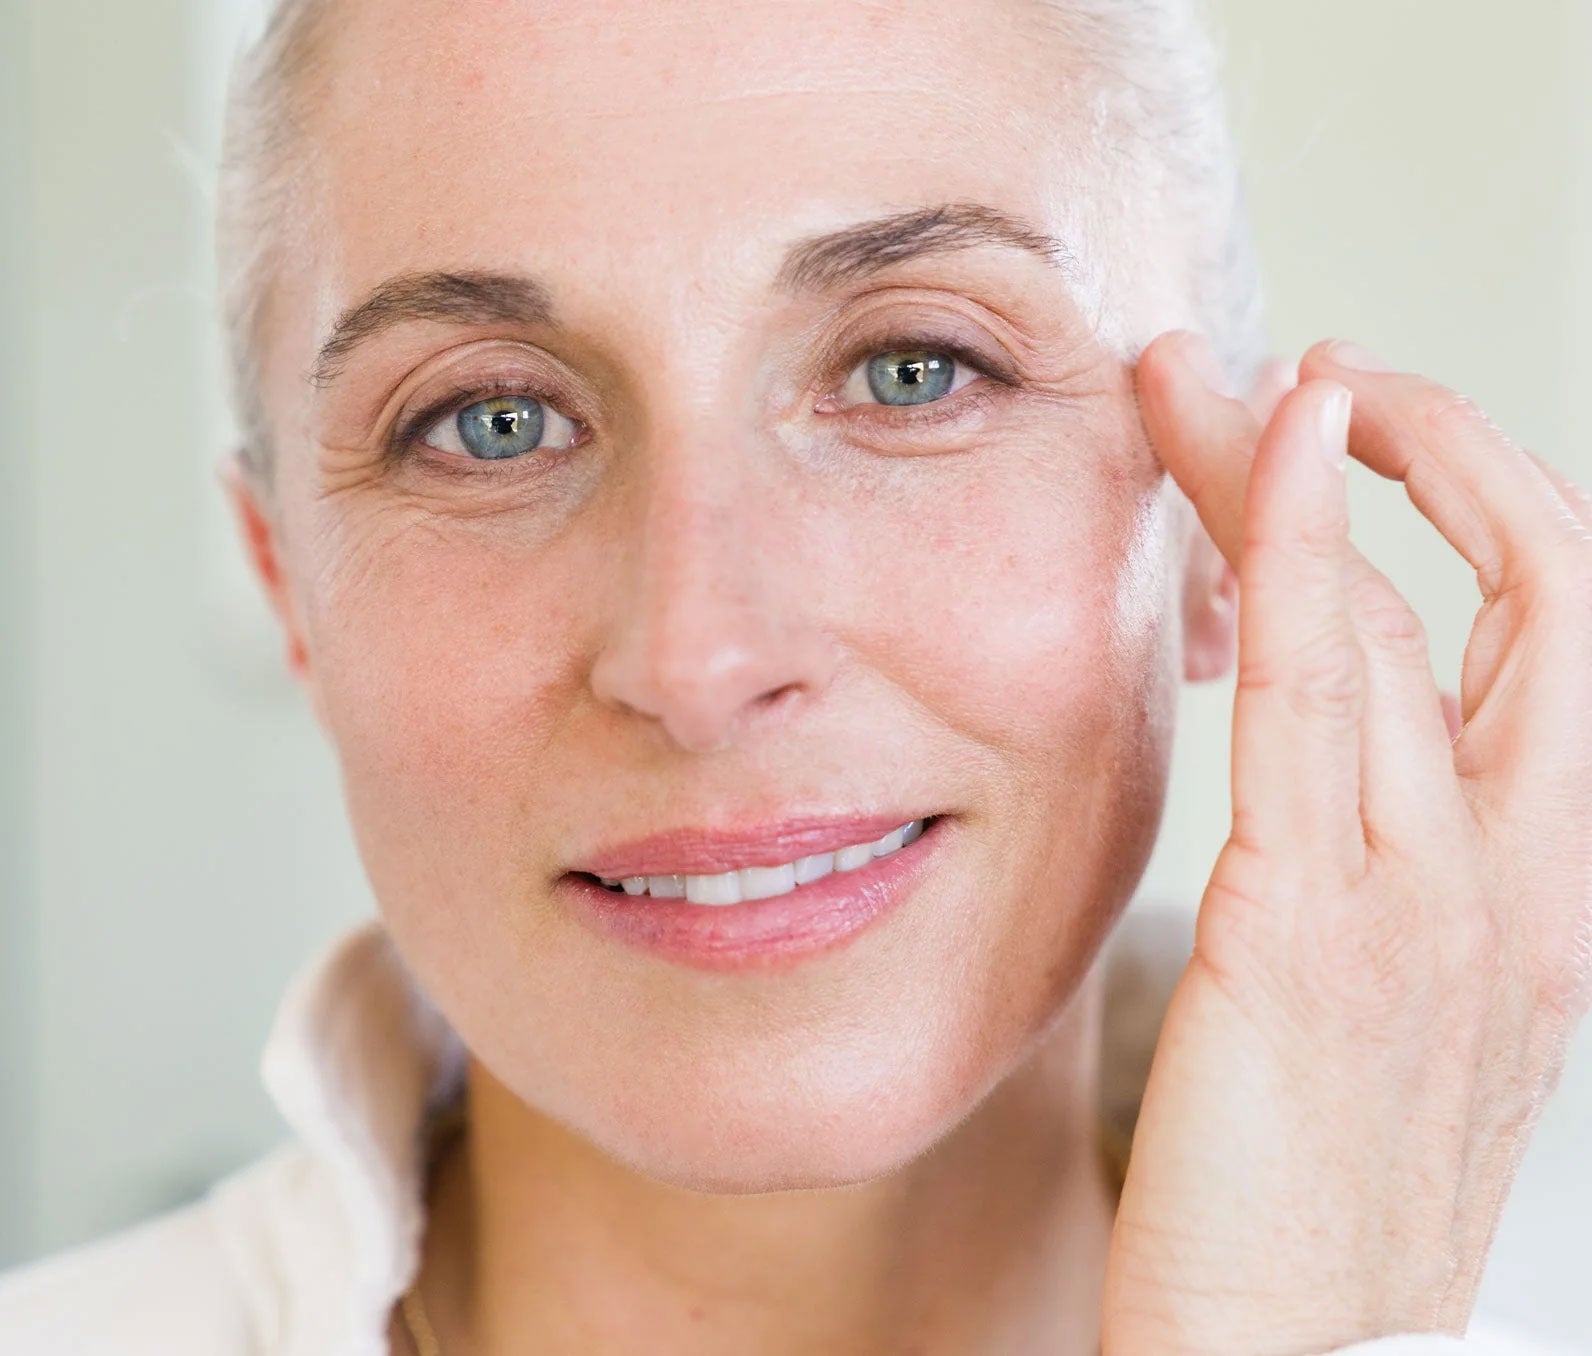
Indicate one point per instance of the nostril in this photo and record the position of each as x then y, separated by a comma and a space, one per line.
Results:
780, 695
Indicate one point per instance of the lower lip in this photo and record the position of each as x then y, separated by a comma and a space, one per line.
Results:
810, 921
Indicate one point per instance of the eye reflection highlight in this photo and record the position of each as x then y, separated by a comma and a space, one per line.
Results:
499, 428
908, 376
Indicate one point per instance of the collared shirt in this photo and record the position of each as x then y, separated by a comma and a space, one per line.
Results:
305, 1251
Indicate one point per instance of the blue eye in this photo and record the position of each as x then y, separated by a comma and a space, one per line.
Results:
907, 377
500, 428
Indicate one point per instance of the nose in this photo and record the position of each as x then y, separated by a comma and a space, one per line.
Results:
717, 620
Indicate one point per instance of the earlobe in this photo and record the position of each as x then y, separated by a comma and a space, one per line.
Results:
1210, 614
258, 532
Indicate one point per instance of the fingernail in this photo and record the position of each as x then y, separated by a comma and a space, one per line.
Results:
1352, 356
1204, 363
1335, 427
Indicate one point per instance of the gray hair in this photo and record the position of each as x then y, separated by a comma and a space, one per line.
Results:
260, 170
1157, 54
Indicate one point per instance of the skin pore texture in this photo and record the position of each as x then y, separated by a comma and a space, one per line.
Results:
747, 591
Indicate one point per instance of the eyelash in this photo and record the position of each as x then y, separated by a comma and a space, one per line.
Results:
406, 442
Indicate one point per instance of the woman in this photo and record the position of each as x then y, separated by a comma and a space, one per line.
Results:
740, 486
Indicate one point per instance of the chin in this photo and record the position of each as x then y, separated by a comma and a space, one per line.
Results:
785, 1134
841, 1155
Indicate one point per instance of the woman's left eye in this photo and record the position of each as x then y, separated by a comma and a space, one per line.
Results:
500, 428
907, 376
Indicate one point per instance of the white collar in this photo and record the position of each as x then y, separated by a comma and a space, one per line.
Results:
360, 1063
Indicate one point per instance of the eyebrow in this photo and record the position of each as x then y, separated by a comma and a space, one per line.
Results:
813, 264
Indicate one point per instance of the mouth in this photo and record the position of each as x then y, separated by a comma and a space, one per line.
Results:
763, 917
749, 883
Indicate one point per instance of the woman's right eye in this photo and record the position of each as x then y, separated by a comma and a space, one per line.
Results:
500, 428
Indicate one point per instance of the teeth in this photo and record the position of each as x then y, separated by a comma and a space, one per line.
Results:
765, 882
889, 843
850, 858
724, 888
809, 869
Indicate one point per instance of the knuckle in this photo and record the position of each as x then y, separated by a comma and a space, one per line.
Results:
1319, 540
1396, 631
1315, 543
1448, 414
1320, 678
1385, 619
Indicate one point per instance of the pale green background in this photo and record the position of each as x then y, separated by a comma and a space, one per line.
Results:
1421, 178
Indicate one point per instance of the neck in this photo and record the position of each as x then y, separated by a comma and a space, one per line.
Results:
994, 1240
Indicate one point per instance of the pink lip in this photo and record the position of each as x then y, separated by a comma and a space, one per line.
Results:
707, 852
766, 933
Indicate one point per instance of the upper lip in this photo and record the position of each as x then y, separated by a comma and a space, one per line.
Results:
706, 852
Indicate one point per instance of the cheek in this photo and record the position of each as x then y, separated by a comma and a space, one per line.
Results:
1048, 644
1014, 603
1025, 601
1002, 616
442, 655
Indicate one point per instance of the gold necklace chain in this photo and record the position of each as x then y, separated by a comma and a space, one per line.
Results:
1113, 1145
418, 1325
441, 1128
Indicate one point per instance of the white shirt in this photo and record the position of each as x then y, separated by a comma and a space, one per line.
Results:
304, 1251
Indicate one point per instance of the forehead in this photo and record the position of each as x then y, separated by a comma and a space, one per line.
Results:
648, 130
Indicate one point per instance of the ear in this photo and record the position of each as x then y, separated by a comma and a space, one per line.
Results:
260, 533
1210, 608
1210, 584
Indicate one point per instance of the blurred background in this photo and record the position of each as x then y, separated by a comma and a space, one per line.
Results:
174, 842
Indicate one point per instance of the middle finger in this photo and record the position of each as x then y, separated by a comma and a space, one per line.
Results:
1490, 499
1408, 787
1527, 730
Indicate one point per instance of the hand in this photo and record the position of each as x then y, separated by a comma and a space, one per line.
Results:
1393, 952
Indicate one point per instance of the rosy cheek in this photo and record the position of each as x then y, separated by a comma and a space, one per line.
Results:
992, 595
1017, 601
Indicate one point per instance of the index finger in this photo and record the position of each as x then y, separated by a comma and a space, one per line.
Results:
1207, 442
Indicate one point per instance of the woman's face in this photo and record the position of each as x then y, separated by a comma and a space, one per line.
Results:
716, 578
